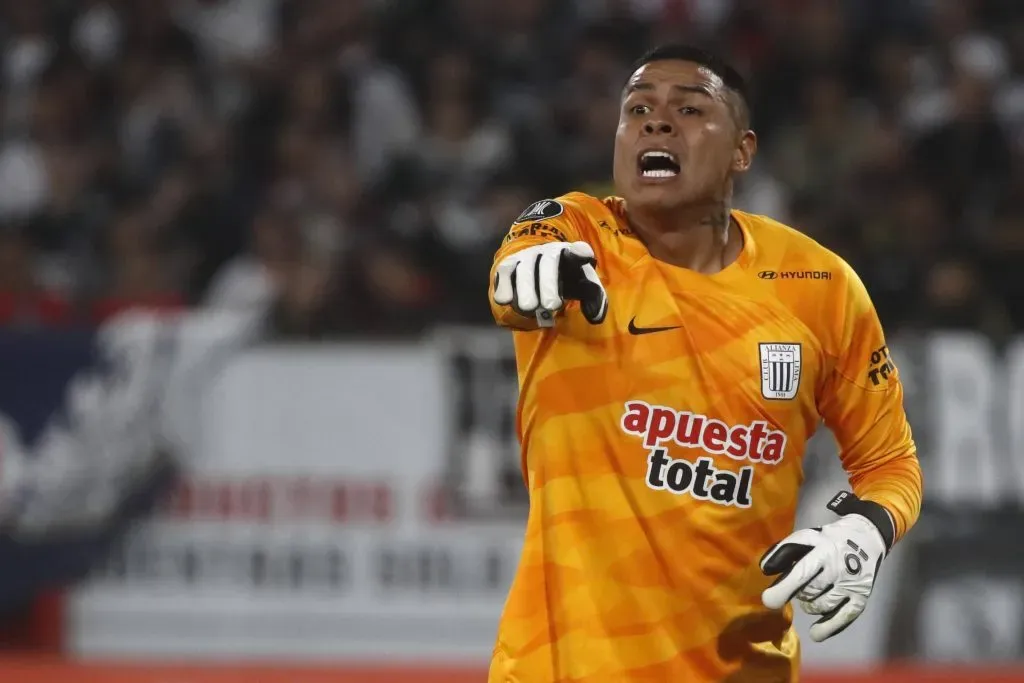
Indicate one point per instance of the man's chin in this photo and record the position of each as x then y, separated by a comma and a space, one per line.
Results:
656, 197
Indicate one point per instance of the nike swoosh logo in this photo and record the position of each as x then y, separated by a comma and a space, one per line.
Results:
633, 329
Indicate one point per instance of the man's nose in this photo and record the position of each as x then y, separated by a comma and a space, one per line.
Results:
658, 126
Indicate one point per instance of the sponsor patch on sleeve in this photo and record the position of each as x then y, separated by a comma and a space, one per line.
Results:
536, 230
881, 368
542, 210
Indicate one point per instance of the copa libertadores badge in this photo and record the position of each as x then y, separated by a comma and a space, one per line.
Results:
542, 210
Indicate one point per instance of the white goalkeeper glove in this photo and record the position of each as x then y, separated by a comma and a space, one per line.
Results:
538, 280
830, 570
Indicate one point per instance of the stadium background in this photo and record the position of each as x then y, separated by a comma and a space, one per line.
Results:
253, 424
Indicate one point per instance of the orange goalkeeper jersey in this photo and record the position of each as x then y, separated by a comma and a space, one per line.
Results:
663, 451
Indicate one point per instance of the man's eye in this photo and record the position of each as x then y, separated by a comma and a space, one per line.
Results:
639, 109
689, 111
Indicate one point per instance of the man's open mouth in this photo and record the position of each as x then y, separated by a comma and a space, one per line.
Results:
658, 163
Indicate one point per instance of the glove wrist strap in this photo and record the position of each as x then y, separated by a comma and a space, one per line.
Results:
846, 503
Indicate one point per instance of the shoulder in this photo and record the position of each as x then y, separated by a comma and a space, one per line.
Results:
568, 206
566, 217
784, 253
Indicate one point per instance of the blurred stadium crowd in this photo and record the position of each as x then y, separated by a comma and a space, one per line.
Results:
355, 163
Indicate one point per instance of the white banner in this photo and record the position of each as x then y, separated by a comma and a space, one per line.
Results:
309, 524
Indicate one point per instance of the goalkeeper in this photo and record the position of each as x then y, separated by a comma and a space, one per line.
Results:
675, 355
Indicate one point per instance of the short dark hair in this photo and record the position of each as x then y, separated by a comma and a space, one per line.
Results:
732, 78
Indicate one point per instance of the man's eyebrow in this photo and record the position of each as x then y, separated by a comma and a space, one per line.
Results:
698, 89
635, 87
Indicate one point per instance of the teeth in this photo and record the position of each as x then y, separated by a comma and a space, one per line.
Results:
660, 173
663, 155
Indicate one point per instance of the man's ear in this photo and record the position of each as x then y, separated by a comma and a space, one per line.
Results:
745, 151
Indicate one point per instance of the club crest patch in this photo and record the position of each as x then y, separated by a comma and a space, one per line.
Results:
780, 371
